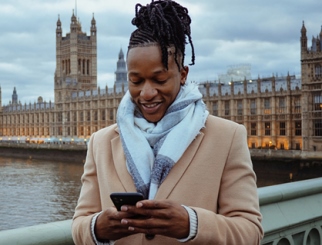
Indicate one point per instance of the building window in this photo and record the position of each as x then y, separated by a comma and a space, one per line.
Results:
111, 115
253, 128
88, 115
282, 128
318, 70
297, 146
297, 104
317, 127
317, 103
102, 115
267, 128
59, 116
298, 128
215, 108
253, 145
267, 106
253, 106
239, 107
227, 108
281, 105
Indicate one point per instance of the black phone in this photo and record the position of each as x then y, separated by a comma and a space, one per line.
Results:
125, 198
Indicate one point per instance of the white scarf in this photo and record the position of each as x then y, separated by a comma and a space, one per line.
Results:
151, 150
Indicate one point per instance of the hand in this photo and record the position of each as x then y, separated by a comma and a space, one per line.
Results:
165, 218
108, 225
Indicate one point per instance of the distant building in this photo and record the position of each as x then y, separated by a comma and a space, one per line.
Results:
80, 107
278, 112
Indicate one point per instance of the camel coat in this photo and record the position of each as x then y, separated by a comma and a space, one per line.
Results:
214, 177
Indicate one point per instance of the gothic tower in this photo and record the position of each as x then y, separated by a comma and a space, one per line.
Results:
14, 96
121, 72
311, 76
76, 59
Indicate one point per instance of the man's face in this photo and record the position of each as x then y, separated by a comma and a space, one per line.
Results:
153, 88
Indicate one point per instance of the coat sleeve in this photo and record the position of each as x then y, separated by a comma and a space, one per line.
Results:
89, 201
238, 220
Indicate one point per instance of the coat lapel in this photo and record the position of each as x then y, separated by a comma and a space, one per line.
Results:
178, 169
171, 180
120, 165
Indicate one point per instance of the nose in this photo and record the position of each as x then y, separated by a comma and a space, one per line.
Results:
148, 91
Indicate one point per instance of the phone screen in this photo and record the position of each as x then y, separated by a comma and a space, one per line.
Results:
125, 198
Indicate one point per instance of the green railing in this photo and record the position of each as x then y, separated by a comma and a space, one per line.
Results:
292, 215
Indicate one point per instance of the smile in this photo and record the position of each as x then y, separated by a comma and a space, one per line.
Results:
151, 108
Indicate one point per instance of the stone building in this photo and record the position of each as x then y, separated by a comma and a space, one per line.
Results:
278, 112
80, 106
270, 109
311, 67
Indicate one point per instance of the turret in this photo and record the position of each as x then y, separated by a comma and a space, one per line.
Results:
303, 39
58, 28
14, 96
93, 26
121, 72
74, 23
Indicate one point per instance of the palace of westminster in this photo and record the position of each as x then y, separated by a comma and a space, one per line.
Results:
278, 112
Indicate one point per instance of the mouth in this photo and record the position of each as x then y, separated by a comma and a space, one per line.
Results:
151, 107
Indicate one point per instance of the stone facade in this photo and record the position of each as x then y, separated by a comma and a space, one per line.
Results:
278, 112
311, 66
80, 107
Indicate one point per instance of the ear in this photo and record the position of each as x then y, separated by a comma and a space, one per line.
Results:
184, 74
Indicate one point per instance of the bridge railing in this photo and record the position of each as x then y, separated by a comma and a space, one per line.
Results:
292, 215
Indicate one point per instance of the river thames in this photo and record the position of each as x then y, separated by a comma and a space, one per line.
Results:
40, 191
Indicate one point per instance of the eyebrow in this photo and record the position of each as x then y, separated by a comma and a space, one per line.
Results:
155, 72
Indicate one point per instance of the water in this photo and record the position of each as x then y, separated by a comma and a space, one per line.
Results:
34, 192
40, 191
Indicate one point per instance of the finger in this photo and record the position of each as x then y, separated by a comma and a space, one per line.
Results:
153, 204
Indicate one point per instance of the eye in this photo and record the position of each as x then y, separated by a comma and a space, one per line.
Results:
136, 81
158, 81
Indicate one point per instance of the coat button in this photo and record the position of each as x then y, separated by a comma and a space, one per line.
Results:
149, 236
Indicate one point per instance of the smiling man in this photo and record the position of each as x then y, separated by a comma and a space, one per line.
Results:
193, 170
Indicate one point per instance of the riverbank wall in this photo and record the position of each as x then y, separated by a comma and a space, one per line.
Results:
77, 153
59, 152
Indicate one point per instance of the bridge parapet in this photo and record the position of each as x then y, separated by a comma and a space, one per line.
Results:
292, 215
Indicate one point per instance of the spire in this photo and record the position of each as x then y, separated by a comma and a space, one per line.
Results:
121, 72
93, 26
74, 23
303, 38
14, 96
58, 21
303, 29
121, 55
58, 28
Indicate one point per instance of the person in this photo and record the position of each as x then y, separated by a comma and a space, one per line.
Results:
193, 169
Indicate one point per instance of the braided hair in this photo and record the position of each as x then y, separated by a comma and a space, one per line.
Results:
165, 23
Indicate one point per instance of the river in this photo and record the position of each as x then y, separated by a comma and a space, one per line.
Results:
41, 191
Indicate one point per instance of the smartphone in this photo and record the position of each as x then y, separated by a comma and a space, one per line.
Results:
125, 198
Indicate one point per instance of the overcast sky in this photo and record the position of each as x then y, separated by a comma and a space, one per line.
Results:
264, 34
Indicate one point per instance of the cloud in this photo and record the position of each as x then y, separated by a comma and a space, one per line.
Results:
265, 34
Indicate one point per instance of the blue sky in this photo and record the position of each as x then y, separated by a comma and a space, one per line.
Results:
264, 34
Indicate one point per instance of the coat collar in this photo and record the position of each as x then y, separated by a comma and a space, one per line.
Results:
171, 180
